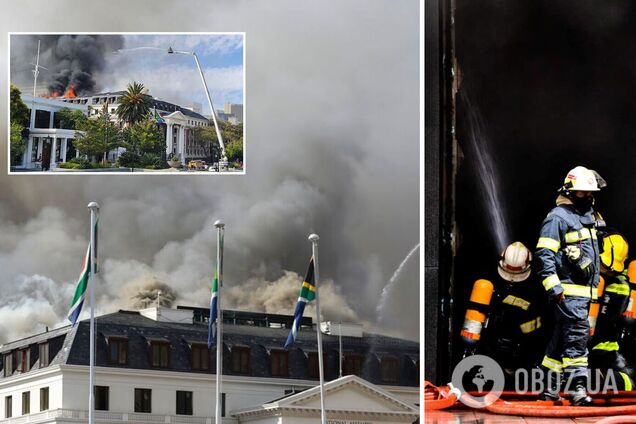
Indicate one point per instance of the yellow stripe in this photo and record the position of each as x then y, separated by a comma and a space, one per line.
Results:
309, 286
608, 346
516, 301
575, 236
551, 281
530, 326
618, 288
549, 243
626, 380
577, 290
594, 234
552, 364
581, 361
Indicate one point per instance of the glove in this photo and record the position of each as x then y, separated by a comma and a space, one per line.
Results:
582, 262
556, 294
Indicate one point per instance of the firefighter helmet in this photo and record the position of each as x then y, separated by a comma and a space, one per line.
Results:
580, 179
615, 250
514, 265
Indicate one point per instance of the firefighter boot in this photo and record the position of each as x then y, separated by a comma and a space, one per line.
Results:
552, 387
579, 396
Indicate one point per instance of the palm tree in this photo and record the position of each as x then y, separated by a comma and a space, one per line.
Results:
134, 105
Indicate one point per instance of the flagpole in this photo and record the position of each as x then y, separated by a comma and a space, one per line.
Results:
219, 319
94, 208
314, 248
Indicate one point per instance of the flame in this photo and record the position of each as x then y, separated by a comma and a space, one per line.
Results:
70, 92
54, 94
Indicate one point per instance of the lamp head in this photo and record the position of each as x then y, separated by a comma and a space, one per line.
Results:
170, 51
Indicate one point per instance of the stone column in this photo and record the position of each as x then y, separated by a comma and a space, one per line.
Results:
181, 144
27, 152
168, 139
53, 148
51, 114
63, 150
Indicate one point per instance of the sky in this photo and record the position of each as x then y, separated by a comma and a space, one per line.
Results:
143, 58
332, 147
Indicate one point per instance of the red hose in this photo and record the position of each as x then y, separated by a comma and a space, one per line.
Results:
438, 397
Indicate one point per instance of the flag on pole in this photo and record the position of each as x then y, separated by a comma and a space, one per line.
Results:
213, 308
307, 294
80, 291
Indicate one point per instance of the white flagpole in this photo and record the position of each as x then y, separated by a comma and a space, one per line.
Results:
94, 208
219, 319
314, 247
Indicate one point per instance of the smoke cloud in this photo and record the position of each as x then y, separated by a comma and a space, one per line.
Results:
332, 147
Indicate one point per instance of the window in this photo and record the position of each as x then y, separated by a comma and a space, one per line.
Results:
223, 404
44, 398
200, 357
352, 365
160, 354
101, 398
26, 403
8, 406
389, 370
241, 360
184, 403
23, 360
143, 399
8, 364
279, 359
44, 355
313, 369
118, 351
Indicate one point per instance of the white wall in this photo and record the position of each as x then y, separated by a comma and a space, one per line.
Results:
14, 386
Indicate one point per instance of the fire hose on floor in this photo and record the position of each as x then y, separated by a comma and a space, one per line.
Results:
442, 397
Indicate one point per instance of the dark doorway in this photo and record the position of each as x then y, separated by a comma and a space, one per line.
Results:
46, 154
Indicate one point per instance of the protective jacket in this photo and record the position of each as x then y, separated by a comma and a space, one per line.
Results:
566, 226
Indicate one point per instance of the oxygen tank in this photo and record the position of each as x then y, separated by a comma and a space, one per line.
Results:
476, 312
630, 312
595, 306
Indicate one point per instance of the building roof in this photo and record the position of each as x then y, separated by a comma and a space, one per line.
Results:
71, 345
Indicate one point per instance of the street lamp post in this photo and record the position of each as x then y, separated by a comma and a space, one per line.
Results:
223, 161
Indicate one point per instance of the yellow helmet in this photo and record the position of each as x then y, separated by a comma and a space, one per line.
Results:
580, 179
615, 250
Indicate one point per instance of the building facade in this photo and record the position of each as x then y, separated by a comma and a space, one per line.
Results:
175, 121
48, 145
154, 365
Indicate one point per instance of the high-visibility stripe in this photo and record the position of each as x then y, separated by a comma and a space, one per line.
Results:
608, 346
626, 380
618, 288
549, 243
594, 233
516, 301
579, 235
576, 290
552, 364
581, 361
530, 326
551, 281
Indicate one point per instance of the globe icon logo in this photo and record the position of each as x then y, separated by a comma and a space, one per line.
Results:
482, 377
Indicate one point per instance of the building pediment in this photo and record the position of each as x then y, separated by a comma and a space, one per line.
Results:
176, 116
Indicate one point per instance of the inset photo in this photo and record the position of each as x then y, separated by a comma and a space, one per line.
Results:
118, 103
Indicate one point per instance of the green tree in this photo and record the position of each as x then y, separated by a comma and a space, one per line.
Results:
234, 150
230, 133
71, 119
97, 136
143, 137
134, 105
19, 111
17, 142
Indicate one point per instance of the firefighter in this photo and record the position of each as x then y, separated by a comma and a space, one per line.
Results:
567, 263
515, 328
604, 354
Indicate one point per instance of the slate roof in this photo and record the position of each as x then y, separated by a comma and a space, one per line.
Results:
71, 346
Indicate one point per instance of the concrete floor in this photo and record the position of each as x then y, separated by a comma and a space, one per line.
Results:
469, 416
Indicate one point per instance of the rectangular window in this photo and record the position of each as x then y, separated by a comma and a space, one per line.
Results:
8, 364
143, 398
8, 406
184, 403
44, 355
241, 360
313, 369
26, 403
352, 365
200, 357
101, 398
23, 360
118, 351
160, 354
389, 370
42, 118
279, 359
44, 398
223, 404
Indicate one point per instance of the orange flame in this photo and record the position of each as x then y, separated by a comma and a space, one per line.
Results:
69, 93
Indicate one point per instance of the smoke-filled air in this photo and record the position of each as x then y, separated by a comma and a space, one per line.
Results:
332, 141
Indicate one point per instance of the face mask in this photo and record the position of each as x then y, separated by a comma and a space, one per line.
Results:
583, 204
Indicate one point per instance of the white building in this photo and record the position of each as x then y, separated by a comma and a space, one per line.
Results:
47, 146
234, 111
175, 121
154, 366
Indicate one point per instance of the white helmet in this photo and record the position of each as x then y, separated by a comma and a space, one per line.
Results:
514, 265
580, 179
